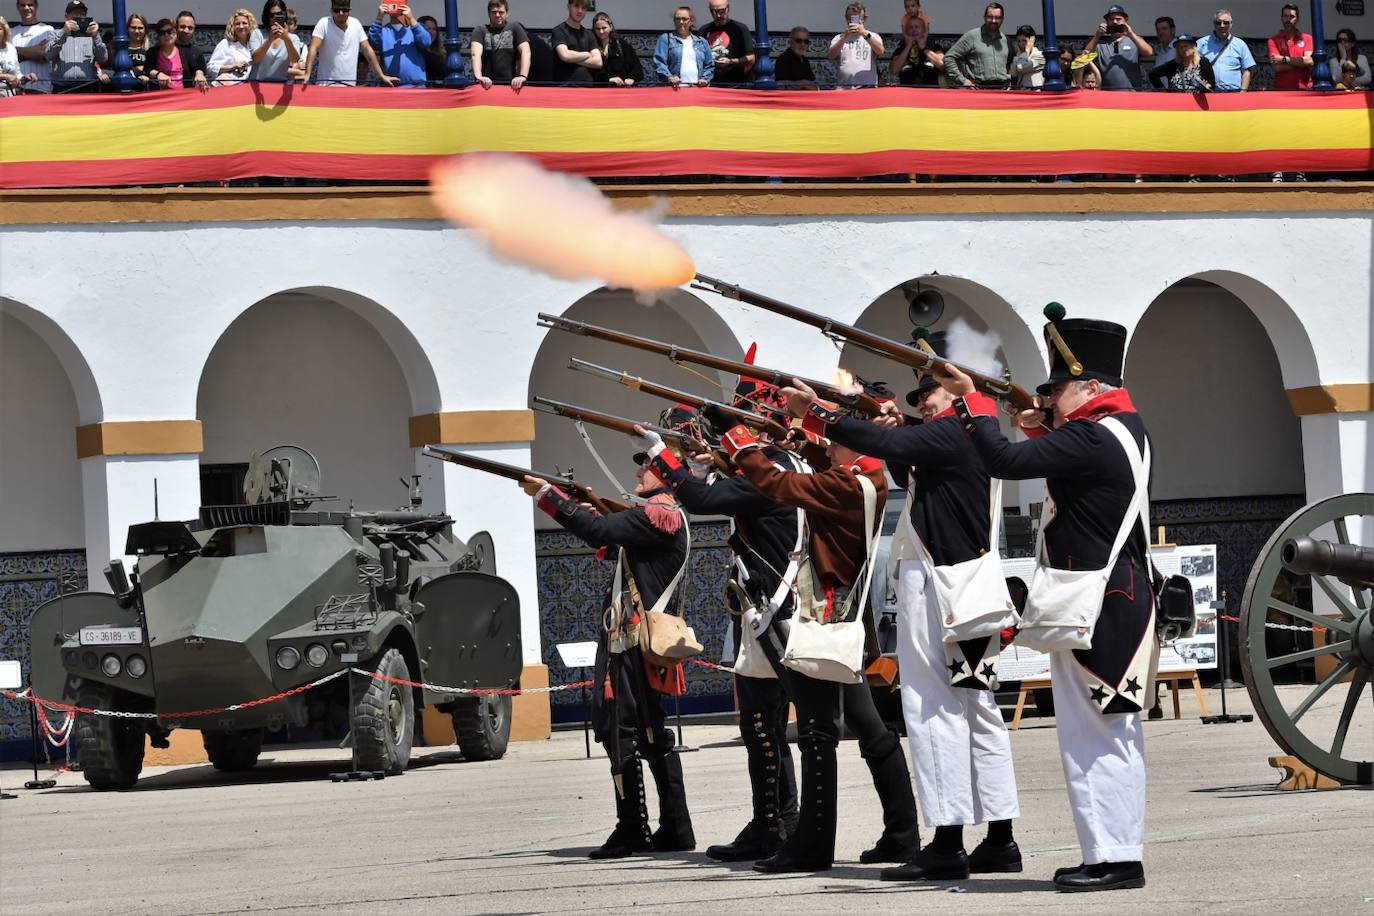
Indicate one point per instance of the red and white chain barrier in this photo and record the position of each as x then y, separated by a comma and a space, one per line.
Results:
1277, 626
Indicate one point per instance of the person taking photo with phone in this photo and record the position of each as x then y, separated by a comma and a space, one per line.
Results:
401, 43
1119, 51
75, 49
856, 50
274, 51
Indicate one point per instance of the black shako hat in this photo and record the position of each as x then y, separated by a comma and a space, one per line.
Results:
1097, 348
937, 341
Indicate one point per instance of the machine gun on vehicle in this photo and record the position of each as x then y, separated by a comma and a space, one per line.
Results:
581, 492
857, 403
1002, 389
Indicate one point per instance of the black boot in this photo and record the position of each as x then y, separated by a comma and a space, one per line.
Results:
997, 853
812, 847
674, 833
631, 833
763, 835
1105, 876
943, 860
901, 835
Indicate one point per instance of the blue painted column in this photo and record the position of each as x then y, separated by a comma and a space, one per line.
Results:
1054, 74
123, 78
763, 48
454, 77
1321, 71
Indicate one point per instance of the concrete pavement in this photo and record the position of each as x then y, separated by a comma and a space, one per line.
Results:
510, 836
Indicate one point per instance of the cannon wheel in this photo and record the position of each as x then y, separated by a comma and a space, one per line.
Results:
1349, 643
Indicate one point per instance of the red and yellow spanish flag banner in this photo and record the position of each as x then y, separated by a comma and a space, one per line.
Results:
395, 134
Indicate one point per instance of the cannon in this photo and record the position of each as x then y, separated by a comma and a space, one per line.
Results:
258, 599
1279, 627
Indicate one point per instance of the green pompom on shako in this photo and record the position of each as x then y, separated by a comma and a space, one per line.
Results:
1055, 311
920, 332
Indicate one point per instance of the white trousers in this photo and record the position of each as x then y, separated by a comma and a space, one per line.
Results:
1104, 767
959, 745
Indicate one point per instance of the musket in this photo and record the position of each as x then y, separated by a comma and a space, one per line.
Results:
620, 425
582, 492
1003, 389
637, 383
861, 403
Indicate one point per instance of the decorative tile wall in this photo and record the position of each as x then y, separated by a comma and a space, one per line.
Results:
27, 580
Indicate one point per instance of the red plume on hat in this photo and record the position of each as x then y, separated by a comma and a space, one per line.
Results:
756, 394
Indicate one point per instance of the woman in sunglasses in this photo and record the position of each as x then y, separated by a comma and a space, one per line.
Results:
172, 65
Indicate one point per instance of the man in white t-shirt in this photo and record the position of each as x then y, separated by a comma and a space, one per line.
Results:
30, 38
336, 41
856, 49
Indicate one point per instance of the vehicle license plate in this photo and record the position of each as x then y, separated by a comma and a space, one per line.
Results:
111, 636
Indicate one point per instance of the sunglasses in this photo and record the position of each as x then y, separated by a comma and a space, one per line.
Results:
800, 41
166, 31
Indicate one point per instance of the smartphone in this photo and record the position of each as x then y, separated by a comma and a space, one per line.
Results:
82, 24
1115, 29
856, 20
393, 7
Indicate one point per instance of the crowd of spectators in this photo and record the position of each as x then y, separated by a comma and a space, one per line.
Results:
400, 49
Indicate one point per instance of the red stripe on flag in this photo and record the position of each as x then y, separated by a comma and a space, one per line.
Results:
369, 167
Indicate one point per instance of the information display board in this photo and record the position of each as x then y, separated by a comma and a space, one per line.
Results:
1198, 562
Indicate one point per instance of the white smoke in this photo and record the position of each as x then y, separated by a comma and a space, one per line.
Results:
973, 349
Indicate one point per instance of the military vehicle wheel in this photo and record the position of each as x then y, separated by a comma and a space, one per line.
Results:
109, 749
483, 726
233, 752
384, 718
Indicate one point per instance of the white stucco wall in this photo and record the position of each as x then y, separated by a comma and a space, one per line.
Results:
461, 328
40, 479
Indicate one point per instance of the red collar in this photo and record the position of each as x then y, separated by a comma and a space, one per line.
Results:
980, 405
1115, 401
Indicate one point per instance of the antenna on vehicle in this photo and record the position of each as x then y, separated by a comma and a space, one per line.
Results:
155, 515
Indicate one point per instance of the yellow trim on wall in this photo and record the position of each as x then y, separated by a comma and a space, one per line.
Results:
140, 437
471, 427
1351, 397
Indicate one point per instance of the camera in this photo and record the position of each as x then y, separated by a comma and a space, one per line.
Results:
82, 24
1116, 28
393, 8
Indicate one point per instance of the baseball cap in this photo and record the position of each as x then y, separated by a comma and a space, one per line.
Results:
76, 5
1115, 8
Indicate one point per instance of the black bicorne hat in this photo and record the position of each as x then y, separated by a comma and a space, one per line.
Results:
1097, 349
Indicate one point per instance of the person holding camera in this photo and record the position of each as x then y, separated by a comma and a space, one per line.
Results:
1119, 51
232, 58
856, 50
274, 51
915, 63
74, 51
401, 43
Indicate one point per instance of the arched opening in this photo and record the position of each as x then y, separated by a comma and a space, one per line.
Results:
46, 391
323, 369
1227, 450
680, 318
572, 581
968, 304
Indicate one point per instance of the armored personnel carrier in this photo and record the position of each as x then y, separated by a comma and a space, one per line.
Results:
253, 600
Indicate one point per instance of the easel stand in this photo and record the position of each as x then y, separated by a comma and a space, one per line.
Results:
36, 783
587, 720
1225, 717
354, 774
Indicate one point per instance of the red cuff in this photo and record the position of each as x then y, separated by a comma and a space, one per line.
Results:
738, 439
668, 460
552, 500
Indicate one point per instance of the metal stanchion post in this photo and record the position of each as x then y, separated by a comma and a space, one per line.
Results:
677, 712
1225, 656
36, 783
1054, 75
587, 720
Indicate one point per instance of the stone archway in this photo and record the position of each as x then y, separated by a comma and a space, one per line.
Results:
46, 391
979, 308
324, 369
681, 318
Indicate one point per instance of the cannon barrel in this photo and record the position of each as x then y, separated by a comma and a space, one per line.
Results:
1349, 562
